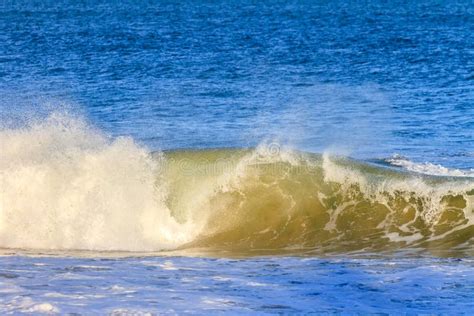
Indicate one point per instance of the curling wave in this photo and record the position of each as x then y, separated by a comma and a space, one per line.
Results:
65, 185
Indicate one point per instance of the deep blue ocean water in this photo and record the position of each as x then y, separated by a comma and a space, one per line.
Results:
370, 80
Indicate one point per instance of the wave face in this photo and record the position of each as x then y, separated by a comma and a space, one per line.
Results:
268, 198
65, 185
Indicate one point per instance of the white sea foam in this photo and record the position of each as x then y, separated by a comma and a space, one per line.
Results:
428, 168
65, 185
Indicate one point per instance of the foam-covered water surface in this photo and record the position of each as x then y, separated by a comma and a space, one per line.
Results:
182, 285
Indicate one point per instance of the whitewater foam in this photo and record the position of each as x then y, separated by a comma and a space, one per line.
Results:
428, 168
67, 186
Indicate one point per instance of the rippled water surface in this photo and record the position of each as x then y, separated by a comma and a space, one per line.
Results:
266, 285
372, 79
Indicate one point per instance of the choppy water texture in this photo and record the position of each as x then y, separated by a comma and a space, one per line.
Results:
328, 148
269, 285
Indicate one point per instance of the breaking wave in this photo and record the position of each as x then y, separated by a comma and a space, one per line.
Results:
428, 168
64, 186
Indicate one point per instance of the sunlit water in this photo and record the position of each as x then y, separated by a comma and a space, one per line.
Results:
390, 85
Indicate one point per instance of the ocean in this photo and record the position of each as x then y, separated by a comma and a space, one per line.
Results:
241, 157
